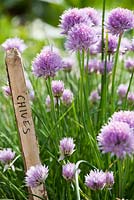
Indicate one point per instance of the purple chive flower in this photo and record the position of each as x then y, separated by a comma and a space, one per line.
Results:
94, 96
92, 15
95, 180
66, 147
57, 88
124, 116
14, 43
109, 179
81, 37
122, 90
125, 45
94, 49
71, 17
116, 138
47, 63
6, 155
36, 175
30, 88
93, 66
130, 97
48, 103
67, 64
6, 90
112, 44
132, 45
129, 64
120, 20
67, 97
68, 171
101, 67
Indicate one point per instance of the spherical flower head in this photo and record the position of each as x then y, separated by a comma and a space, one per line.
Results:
36, 175
116, 138
122, 90
95, 180
112, 43
120, 20
71, 17
130, 97
101, 67
47, 63
67, 64
94, 50
124, 116
57, 88
6, 155
68, 171
67, 97
93, 66
6, 90
129, 64
81, 37
92, 15
94, 96
14, 43
109, 179
66, 147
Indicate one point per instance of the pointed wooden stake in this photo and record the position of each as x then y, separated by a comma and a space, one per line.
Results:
20, 98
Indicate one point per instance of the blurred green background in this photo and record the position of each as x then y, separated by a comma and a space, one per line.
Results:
50, 10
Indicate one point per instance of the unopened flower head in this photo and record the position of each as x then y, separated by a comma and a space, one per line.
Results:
67, 97
68, 171
94, 96
95, 180
14, 43
48, 103
124, 116
81, 37
6, 90
67, 64
92, 16
57, 88
71, 17
102, 65
66, 147
36, 175
112, 44
116, 138
6, 155
130, 97
122, 90
94, 50
109, 179
132, 45
93, 66
129, 64
120, 20
47, 63
30, 88
125, 45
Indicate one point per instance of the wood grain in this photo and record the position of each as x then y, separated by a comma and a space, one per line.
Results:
20, 98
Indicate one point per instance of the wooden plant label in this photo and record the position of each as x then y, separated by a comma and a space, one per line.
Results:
20, 98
